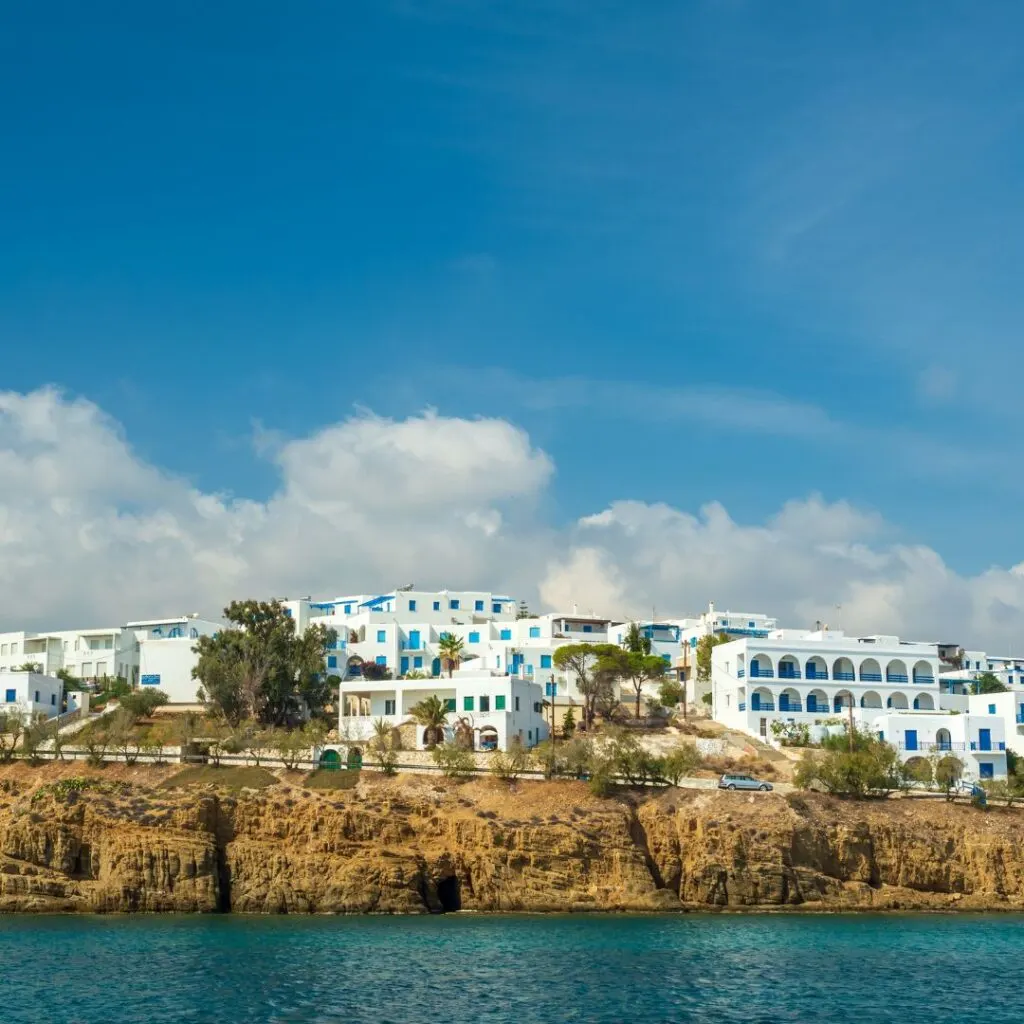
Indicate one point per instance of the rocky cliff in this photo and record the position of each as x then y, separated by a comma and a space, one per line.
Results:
135, 840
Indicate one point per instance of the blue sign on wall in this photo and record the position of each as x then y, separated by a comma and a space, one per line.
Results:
150, 680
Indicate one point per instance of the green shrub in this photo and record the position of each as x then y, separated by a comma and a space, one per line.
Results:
454, 760
682, 760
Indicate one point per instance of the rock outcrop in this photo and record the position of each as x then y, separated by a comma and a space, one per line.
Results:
419, 844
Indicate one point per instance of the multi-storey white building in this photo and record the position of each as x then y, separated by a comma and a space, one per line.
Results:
85, 653
31, 695
799, 673
497, 707
167, 656
884, 684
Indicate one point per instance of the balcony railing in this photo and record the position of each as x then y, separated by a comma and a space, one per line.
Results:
924, 747
987, 748
741, 673
846, 677
1020, 717
896, 677
792, 674
792, 706
871, 677
741, 706
763, 706
756, 672
925, 680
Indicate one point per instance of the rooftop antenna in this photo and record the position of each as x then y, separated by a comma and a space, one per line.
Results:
839, 612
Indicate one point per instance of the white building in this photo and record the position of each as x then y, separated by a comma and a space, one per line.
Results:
886, 685
800, 674
167, 654
497, 707
31, 695
85, 653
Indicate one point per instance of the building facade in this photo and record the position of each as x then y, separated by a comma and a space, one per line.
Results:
31, 695
497, 708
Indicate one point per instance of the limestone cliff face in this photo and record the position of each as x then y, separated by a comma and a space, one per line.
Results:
419, 845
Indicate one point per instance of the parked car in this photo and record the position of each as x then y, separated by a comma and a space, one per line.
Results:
743, 782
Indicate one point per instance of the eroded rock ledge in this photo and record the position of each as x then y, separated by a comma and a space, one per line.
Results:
419, 844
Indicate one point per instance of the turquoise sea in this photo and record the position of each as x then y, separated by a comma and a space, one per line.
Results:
640, 970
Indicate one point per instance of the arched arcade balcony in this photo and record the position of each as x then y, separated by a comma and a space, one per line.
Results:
761, 699
843, 670
896, 672
924, 702
842, 700
789, 667
870, 671
761, 667
816, 668
817, 700
789, 700
898, 702
871, 700
923, 673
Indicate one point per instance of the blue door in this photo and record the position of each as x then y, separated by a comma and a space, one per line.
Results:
812, 702
910, 739
414, 639
435, 667
783, 701
405, 666
517, 661
986, 770
984, 739
755, 702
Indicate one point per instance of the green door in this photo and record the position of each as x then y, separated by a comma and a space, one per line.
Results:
330, 761
355, 759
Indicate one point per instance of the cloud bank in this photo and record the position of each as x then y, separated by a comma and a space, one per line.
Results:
92, 534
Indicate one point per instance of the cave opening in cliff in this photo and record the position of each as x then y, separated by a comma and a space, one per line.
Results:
448, 894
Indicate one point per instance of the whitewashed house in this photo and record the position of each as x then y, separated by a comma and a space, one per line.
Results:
166, 654
31, 695
497, 707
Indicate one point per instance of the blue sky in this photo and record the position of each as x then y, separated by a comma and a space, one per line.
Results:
718, 250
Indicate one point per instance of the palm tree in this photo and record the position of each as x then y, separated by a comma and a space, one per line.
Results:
432, 714
450, 648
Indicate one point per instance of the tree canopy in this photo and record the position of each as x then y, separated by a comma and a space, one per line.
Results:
594, 667
705, 645
634, 663
989, 682
260, 668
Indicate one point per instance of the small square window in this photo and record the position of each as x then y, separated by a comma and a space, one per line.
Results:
53, 698
496, 608
348, 609
991, 709
474, 638
417, 662
449, 704
381, 659
551, 689
485, 703
437, 606
499, 702
453, 604
506, 634
986, 770
389, 707
478, 606
545, 661
382, 635
11, 696
534, 632
467, 703
412, 605
332, 661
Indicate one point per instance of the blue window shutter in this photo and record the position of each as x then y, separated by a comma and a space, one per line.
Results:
332, 661
348, 609
474, 638
382, 636
437, 606
534, 631
479, 606
412, 606
496, 608
545, 661
506, 634
405, 665
12, 696
381, 659
417, 662
454, 605
991, 709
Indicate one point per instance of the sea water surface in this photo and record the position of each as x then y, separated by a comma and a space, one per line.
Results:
640, 970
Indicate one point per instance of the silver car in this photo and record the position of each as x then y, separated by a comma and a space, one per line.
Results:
743, 782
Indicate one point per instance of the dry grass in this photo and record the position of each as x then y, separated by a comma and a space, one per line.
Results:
320, 779
233, 777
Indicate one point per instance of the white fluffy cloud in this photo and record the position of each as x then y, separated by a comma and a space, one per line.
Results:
92, 534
